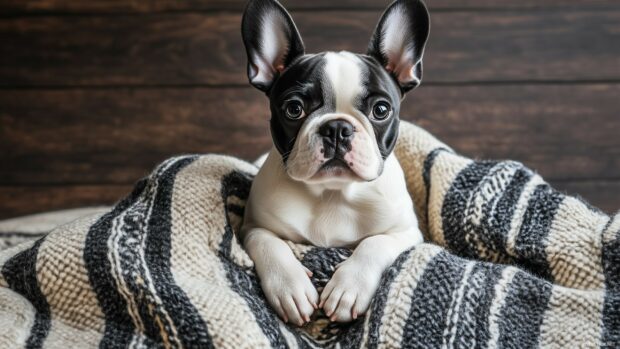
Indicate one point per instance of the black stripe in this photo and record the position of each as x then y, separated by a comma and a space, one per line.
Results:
453, 211
611, 313
20, 273
19, 234
21, 276
530, 241
431, 302
428, 165
191, 329
426, 175
10, 239
119, 327
242, 281
236, 209
377, 308
522, 314
496, 223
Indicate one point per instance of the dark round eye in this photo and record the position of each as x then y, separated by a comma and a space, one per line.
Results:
294, 110
381, 110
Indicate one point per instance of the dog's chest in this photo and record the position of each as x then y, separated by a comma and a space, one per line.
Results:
334, 222
332, 219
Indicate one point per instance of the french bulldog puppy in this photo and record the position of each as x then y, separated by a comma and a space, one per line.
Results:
331, 178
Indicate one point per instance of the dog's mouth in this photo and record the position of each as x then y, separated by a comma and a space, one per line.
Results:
335, 163
335, 168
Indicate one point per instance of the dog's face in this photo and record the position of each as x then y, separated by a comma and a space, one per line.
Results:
334, 116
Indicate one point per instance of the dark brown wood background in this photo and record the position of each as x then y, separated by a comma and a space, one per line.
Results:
94, 93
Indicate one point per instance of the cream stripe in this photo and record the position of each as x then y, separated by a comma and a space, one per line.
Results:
573, 319
501, 289
197, 232
574, 246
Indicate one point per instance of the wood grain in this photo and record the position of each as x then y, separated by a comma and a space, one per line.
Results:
150, 6
205, 48
22, 200
117, 135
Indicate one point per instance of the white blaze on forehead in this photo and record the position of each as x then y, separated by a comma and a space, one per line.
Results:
344, 73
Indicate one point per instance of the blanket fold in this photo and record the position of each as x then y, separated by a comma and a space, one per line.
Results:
508, 262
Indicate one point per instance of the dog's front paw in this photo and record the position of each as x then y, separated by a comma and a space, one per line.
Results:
291, 293
350, 290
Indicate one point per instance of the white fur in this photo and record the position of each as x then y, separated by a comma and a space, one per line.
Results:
376, 217
343, 74
369, 209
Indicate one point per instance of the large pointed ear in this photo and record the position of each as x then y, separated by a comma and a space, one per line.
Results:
399, 39
271, 40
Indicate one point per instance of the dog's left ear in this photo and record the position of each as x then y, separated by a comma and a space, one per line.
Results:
271, 40
399, 39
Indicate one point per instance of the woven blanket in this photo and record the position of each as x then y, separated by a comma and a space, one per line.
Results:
508, 262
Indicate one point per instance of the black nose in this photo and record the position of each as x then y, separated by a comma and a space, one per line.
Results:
336, 130
337, 135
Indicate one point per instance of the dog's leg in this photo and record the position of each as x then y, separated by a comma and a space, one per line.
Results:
284, 280
351, 288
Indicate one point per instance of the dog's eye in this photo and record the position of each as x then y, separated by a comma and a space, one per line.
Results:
294, 110
381, 110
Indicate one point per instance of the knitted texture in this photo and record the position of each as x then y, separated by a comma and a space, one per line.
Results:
509, 262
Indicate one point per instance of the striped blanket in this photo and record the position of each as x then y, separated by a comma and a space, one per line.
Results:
509, 262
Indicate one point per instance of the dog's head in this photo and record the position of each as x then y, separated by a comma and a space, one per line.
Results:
334, 115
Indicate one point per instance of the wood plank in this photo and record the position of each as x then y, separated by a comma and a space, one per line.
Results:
151, 6
205, 48
119, 135
70, 136
22, 200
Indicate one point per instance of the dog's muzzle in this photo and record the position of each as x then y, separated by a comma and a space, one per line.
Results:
337, 135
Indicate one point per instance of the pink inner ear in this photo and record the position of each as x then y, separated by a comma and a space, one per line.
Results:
404, 73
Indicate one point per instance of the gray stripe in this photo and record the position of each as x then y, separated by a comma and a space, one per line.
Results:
523, 312
453, 211
431, 301
537, 221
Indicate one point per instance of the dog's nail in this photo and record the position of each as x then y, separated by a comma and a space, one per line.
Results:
354, 315
332, 318
314, 306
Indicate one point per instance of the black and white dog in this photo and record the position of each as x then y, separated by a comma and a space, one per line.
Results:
331, 178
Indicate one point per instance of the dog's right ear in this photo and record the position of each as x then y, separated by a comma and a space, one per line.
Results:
271, 40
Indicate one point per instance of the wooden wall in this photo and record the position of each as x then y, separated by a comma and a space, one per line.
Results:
94, 93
